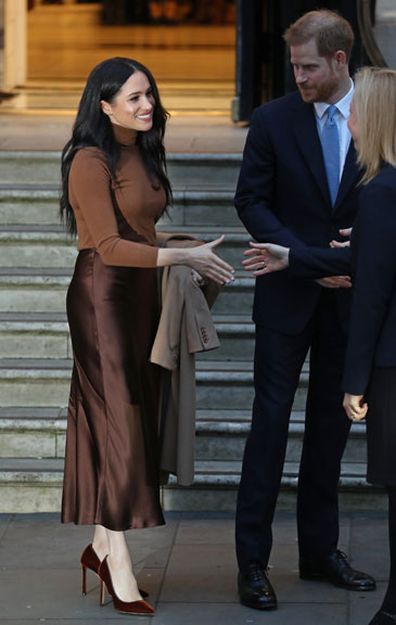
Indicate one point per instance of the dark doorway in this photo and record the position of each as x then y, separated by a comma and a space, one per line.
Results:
263, 69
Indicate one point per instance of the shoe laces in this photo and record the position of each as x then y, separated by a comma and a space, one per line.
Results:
341, 555
257, 575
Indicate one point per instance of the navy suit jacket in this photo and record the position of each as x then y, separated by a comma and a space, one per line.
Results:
282, 197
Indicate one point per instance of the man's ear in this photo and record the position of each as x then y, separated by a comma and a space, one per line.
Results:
106, 108
340, 58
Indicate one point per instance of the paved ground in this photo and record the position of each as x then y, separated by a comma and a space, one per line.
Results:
189, 569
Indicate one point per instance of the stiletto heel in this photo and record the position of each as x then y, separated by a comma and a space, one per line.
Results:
136, 608
83, 579
102, 592
89, 560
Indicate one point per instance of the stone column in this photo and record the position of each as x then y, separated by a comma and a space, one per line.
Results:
1, 44
13, 44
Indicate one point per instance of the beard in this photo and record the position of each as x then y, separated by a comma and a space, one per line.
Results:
320, 92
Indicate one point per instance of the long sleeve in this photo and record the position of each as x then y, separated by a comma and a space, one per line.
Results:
374, 275
319, 262
90, 195
254, 199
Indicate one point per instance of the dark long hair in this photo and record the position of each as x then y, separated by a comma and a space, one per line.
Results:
93, 128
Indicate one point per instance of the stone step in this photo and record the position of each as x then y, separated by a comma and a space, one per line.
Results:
28, 485
225, 440
46, 335
37, 205
45, 248
44, 290
40, 433
214, 170
45, 382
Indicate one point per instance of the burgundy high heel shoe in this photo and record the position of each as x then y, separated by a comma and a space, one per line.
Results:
89, 560
137, 608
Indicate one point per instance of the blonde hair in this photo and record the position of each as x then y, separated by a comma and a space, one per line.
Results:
374, 100
331, 32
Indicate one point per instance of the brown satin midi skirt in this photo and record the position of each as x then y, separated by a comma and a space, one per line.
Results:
111, 465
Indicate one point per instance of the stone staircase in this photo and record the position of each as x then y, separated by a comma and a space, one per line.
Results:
36, 260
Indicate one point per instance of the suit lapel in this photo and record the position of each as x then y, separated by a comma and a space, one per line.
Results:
306, 133
308, 141
350, 175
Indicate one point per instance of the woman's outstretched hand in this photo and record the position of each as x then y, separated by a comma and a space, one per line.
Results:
203, 259
263, 258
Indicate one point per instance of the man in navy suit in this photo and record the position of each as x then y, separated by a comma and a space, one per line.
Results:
298, 187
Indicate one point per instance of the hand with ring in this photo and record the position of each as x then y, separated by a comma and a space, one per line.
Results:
263, 258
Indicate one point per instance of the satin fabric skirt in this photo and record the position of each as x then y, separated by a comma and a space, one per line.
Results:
111, 466
381, 427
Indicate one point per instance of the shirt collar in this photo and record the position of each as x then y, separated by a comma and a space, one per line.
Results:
342, 105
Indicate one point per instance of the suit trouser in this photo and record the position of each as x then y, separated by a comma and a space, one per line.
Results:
278, 363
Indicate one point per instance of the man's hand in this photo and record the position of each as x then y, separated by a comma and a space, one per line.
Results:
355, 407
335, 282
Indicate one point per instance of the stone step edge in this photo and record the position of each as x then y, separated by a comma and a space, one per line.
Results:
60, 368
47, 190
61, 327
202, 376
46, 155
26, 276
48, 413
353, 475
61, 318
223, 428
24, 236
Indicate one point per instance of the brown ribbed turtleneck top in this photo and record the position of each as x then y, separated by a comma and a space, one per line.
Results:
90, 185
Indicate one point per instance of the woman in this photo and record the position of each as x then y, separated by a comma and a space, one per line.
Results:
115, 188
370, 367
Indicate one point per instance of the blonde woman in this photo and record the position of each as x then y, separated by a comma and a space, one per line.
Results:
370, 368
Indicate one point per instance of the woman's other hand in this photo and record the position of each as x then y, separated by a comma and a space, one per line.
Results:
355, 406
344, 232
263, 258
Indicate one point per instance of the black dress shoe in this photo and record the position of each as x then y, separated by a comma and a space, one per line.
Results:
255, 590
383, 618
336, 569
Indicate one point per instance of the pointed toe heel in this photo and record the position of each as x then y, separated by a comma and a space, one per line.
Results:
89, 560
134, 608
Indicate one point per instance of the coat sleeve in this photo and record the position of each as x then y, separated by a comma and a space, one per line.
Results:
255, 189
319, 262
374, 274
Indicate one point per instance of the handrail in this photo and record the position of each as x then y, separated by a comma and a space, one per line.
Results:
367, 34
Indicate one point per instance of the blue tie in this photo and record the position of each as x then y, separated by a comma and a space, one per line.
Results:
331, 152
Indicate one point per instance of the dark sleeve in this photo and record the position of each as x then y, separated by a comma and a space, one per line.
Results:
374, 273
254, 199
319, 262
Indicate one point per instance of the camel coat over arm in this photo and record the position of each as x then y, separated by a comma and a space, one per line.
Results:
185, 328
